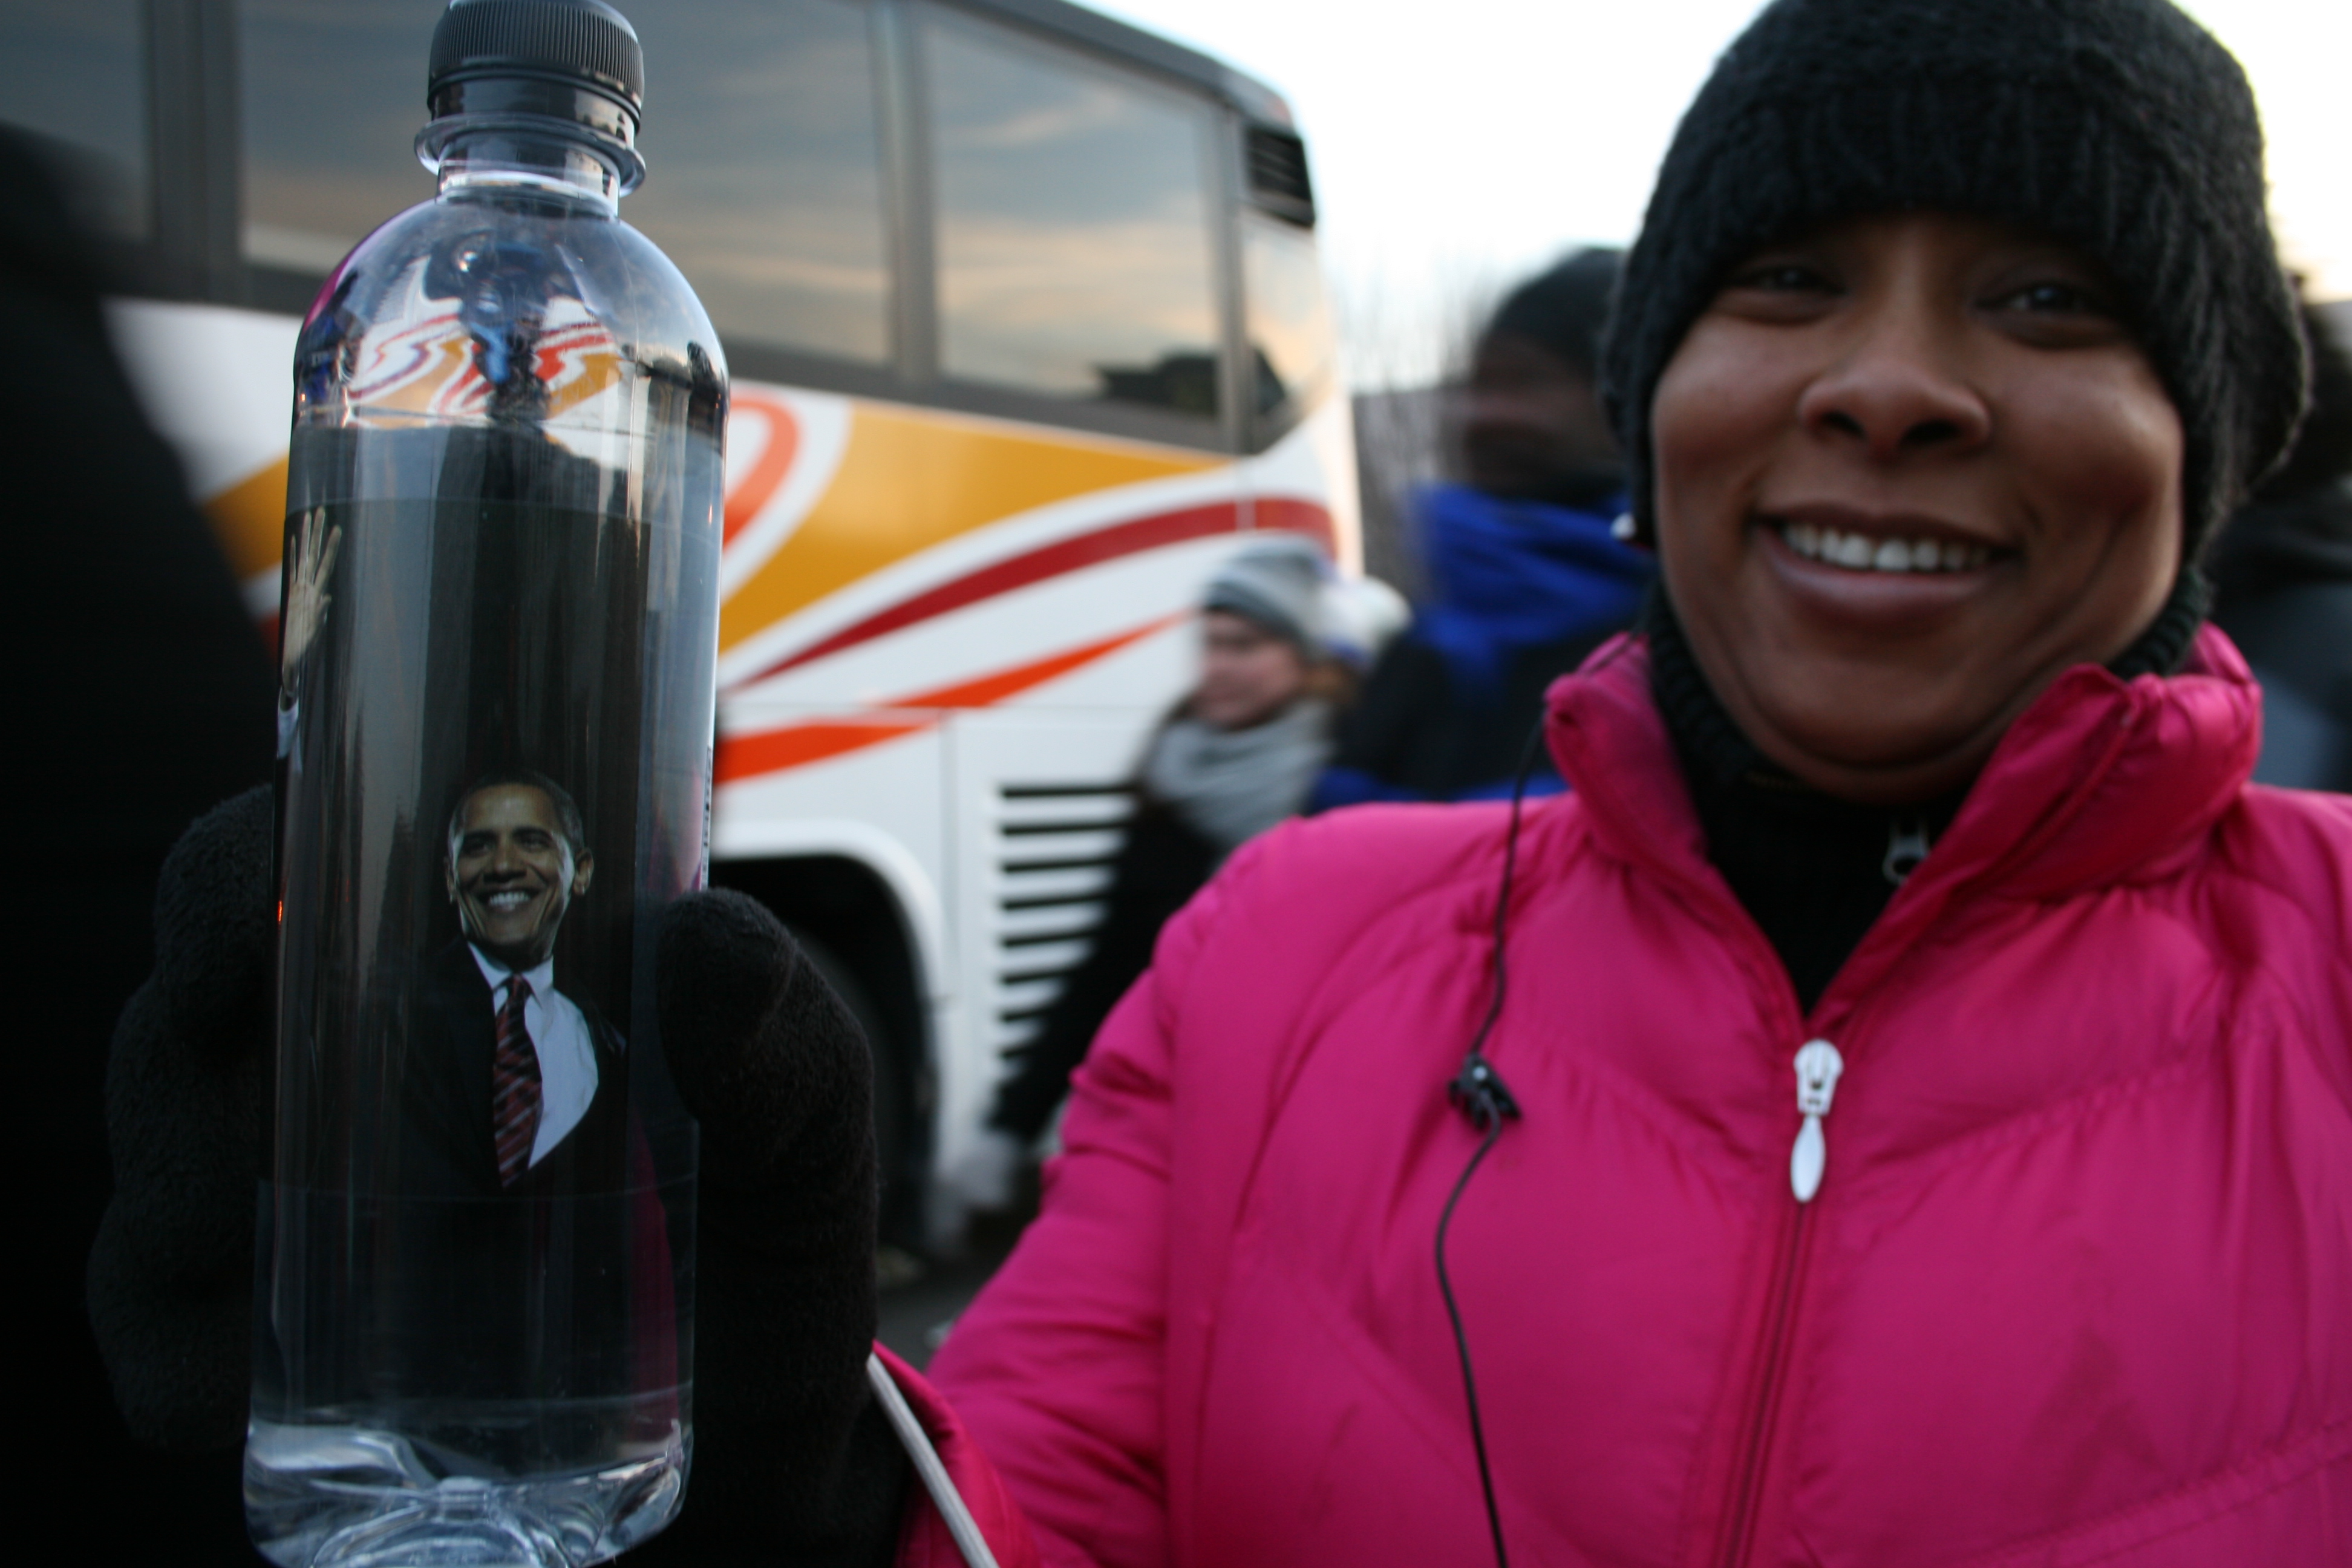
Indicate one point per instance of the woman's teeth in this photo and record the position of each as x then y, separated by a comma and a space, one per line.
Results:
1860, 553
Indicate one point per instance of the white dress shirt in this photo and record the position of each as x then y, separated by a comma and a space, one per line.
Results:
567, 1058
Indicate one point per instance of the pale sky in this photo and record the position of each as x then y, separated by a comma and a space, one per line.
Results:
1460, 144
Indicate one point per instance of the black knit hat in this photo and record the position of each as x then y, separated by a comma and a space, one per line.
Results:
2118, 126
1563, 309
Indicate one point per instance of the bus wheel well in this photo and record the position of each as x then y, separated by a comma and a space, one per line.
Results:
846, 915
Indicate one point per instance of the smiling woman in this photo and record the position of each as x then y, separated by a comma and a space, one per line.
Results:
1909, 469
1952, 333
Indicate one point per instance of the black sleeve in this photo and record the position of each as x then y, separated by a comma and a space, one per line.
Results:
2298, 639
140, 695
1419, 733
145, 686
1404, 700
1162, 864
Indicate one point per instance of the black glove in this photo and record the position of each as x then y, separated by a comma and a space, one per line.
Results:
793, 1462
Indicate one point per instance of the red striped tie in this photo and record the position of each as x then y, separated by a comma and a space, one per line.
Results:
514, 1087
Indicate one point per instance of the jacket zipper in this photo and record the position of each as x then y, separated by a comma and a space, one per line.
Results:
1818, 1066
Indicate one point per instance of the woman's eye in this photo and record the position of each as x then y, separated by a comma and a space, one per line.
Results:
1781, 277
1778, 290
2057, 297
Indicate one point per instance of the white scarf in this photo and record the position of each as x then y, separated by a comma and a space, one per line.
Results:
1229, 785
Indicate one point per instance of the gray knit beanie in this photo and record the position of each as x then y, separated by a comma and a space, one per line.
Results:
1276, 583
2118, 126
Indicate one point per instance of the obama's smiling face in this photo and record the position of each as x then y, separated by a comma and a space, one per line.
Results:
512, 873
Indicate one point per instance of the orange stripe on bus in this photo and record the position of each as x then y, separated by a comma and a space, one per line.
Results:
773, 751
249, 519
795, 745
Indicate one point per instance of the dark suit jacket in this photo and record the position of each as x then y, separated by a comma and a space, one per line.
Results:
446, 1147
524, 1294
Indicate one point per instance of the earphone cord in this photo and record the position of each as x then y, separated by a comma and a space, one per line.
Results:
1462, 1344
1528, 754
1489, 1105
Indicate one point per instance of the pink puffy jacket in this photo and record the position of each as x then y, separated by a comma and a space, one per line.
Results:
2077, 1287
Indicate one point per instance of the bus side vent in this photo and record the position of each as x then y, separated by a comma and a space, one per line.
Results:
1277, 174
1055, 844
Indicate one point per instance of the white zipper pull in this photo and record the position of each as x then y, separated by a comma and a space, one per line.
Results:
1818, 1066
1906, 846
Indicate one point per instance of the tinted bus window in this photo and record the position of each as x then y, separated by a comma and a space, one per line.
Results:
764, 169
334, 98
76, 76
1290, 334
1075, 251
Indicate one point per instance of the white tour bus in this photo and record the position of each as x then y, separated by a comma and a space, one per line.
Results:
1027, 332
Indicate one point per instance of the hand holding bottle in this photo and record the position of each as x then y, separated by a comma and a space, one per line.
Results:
792, 1462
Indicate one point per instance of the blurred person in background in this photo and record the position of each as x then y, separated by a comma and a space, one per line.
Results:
139, 696
2282, 584
1526, 577
1237, 755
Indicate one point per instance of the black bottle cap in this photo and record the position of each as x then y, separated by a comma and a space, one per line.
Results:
582, 43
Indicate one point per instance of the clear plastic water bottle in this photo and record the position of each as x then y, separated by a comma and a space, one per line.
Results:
473, 1338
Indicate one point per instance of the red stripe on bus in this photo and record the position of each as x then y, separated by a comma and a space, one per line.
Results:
1293, 514
793, 745
990, 689
1129, 538
746, 501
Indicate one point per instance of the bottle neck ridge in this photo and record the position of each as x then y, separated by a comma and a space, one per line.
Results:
528, 154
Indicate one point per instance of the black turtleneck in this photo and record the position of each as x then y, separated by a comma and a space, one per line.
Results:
1812, 870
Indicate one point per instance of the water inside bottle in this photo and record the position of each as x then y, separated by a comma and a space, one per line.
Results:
482, 1418
472, 1332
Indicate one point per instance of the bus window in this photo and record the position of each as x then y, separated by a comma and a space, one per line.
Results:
76, 79
764, 169
1074, 249
334, 98
1289, 321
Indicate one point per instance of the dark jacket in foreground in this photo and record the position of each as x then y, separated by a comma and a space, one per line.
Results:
139, 697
